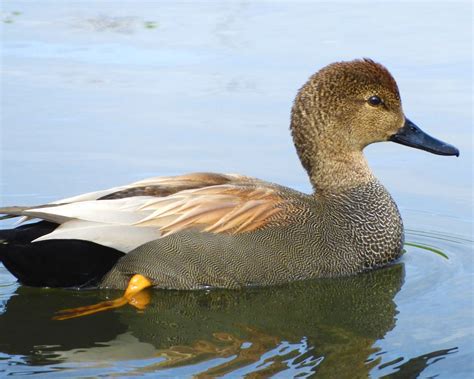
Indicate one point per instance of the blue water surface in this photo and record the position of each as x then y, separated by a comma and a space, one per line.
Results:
98, 94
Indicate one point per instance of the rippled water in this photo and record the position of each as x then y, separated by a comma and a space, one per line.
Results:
94, 95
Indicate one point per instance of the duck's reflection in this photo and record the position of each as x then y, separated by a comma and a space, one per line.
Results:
325, 326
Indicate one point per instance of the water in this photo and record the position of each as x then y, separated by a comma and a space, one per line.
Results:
95, 95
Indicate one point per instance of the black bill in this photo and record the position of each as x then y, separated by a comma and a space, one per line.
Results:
411, 135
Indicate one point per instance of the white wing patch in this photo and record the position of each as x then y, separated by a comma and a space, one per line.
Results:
121, 211
121, 237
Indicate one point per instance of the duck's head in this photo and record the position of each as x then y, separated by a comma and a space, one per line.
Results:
346, 106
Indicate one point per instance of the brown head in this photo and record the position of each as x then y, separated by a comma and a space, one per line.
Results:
343, 108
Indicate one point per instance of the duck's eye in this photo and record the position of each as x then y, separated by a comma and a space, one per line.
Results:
375, 100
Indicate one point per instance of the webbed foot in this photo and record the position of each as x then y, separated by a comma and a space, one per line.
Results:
133, 295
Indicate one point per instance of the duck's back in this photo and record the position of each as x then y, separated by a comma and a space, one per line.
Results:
332, 235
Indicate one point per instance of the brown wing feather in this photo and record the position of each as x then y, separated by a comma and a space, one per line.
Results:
168, 185
228, 208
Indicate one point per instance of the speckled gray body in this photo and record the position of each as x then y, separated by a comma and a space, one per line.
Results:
332, 235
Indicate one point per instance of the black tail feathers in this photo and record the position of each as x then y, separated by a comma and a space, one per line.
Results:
54, 263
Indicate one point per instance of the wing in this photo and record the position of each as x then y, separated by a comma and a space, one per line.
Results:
156, 186
129, 216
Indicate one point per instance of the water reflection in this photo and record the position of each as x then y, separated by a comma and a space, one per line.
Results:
414, 366
327, 327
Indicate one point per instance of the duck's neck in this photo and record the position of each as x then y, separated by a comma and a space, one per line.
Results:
332, 163
334, 172
326, 148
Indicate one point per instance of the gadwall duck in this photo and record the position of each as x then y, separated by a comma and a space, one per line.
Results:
206, 230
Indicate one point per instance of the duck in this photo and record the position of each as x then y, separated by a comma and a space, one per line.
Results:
210, 230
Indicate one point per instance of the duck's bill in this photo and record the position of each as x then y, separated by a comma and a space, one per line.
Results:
411, 135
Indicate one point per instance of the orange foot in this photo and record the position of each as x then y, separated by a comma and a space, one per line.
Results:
133, 295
